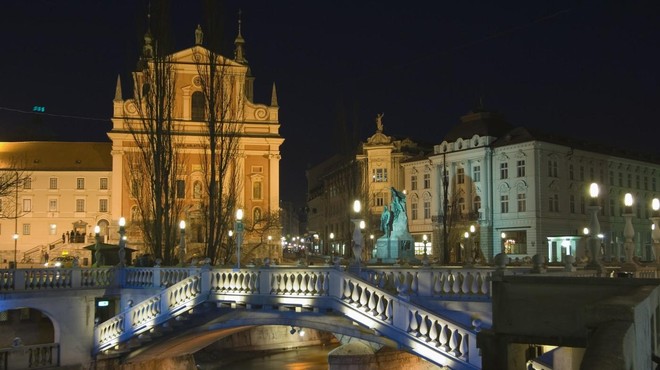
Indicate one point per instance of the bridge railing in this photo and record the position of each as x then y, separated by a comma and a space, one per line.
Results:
27, 280
416, 328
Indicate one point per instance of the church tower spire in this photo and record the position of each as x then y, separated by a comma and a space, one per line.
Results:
118, 89
239, 43
273, 97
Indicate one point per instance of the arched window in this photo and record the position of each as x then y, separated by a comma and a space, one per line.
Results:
256, 190
477, 203
198, 106
461, 205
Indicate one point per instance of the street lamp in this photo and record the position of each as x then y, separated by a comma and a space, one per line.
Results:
373, 250
358, 240
467, 250
97, 246
425, 239
655, 229
332, 243
473, 229
628, 230
182, 243
594, 242
122, 242
239, 236
15, 248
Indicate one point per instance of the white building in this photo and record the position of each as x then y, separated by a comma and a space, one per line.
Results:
527, 192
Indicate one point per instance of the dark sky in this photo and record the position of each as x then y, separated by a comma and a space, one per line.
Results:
583, 69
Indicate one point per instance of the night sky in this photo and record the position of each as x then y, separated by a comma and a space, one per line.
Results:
583, 69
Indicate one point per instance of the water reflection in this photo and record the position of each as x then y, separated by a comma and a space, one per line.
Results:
306, 358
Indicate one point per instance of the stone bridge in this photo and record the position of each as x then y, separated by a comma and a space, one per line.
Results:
165, 312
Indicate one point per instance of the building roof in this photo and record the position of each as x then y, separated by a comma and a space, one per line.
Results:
480, 123
56, 156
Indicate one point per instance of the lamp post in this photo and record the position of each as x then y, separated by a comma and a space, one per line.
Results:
373, 249
425, 259
503, 237
594, 227
358, 239
182, 243
655, 229
628, 230
467, 250
15, 236
473, 230
332, 244
239, 236
97, 246
122, 242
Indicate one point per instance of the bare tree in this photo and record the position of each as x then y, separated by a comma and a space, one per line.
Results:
222, 84
155, 165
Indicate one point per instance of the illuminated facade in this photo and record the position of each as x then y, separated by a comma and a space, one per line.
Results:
258, 157
68, 189
527, 192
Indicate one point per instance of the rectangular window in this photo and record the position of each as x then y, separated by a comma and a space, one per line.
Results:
427, 210
476, 173
620, 178
27, 183
413, 182
646, 183
504, 171
552, 168
27, 205
80, 183
571, 203
103, 183
570, 172
611, 178
103, 205
379, 175
53, 183
26, 229
504, 203
427, 181
135, 188
52, 205
581, 173
256, 190
460, 175
413, 211
582, 205
80, 205
180, 189
637, 182
521, 168
522, 203
380, 202
553, 203
629, 180
52, 229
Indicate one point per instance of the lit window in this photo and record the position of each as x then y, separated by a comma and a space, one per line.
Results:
476, 173
379, 175
103, 205
27, 205
52, 205
521, 168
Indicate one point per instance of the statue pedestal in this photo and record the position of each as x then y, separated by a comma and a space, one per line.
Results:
395, 249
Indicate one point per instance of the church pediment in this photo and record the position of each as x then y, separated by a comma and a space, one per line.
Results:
195, 53
379, 139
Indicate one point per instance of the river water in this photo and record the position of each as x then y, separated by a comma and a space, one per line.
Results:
304, 358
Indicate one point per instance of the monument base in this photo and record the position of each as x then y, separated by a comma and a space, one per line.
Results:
399, 249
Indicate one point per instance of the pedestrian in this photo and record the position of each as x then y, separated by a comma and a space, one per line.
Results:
67, 236
46, 256
63, 238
